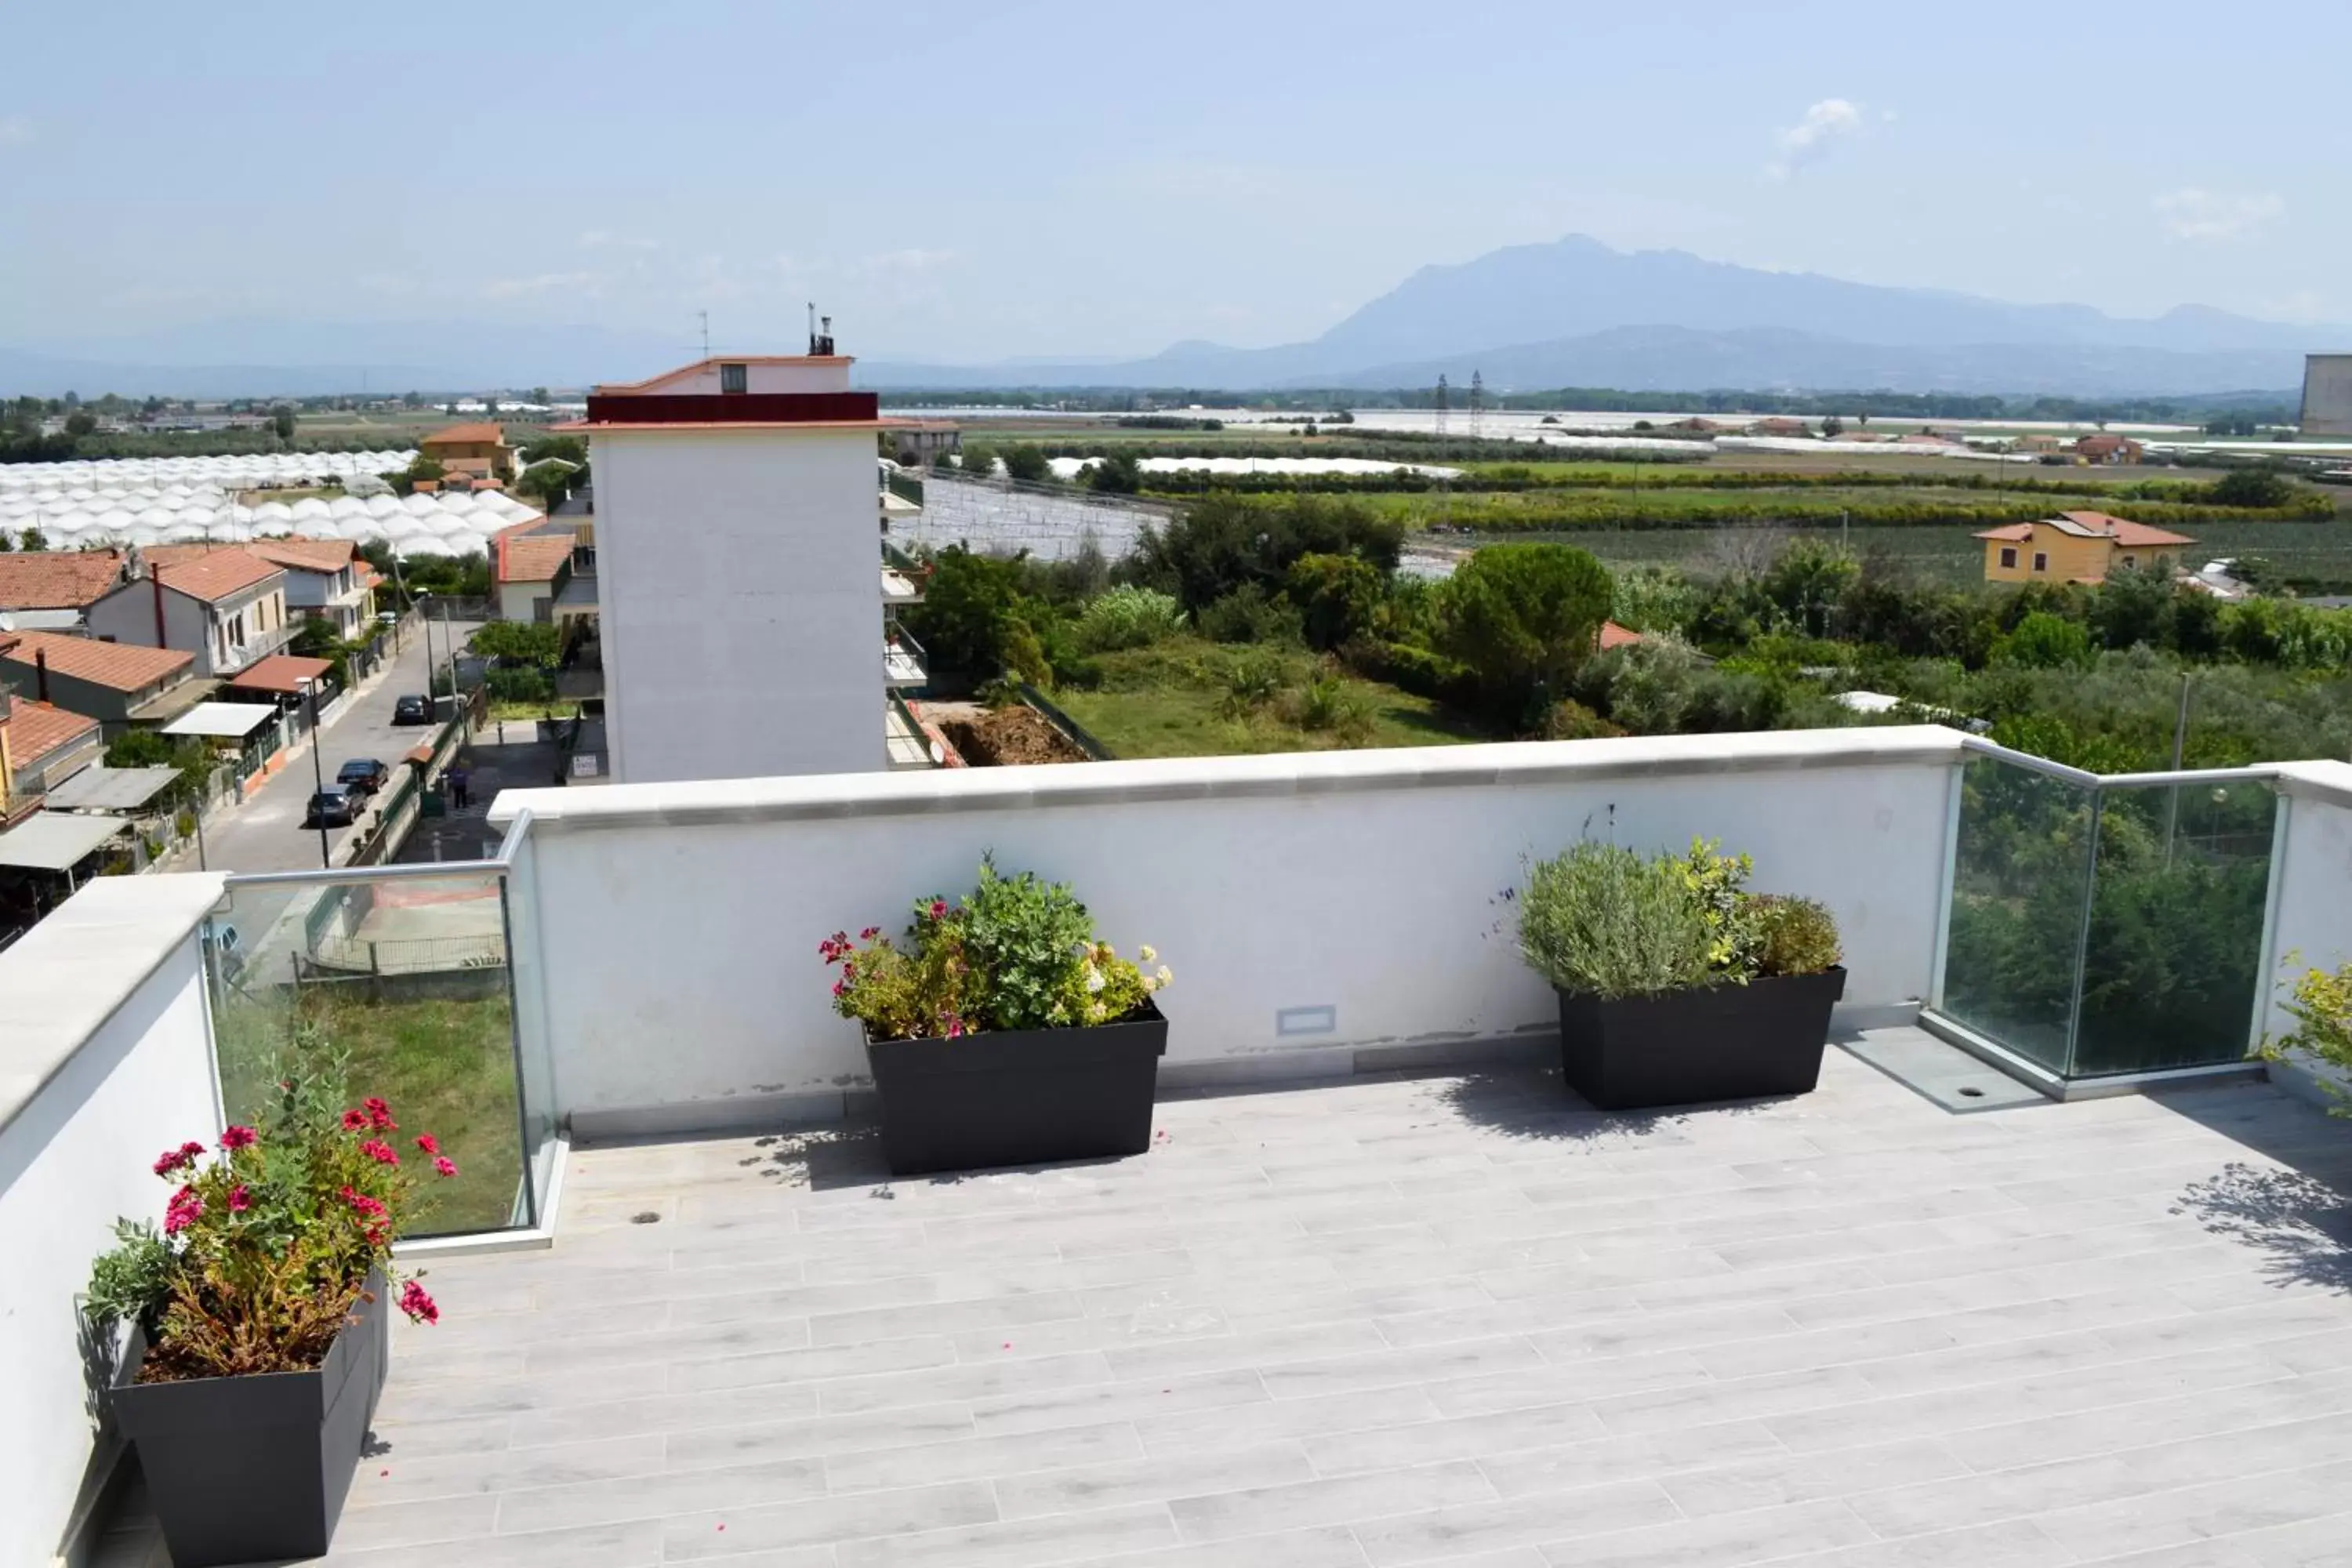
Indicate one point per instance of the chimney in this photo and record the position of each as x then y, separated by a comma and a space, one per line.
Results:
41, 673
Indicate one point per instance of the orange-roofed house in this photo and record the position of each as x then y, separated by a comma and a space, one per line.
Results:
325, 578
529, 563
118, 684
2106, 448
53, 589
226, 606
41, 746
2078, 547
477, 451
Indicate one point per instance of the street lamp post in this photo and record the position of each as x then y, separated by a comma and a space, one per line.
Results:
425, 619
318, 772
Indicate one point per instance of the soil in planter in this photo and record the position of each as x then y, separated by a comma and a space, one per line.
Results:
1006, 737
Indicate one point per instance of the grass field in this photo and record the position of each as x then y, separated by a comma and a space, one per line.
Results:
1177, 700
447, 1067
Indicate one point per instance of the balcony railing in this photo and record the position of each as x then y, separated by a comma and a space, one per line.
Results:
904, 578
903, 661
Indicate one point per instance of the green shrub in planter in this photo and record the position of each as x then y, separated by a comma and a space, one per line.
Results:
1602, 921
1795, 936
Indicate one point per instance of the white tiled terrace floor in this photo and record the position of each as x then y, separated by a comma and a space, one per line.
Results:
1438, 1319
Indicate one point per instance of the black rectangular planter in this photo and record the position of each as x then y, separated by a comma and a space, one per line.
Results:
1019, 1096
252, 1469
1687, 1047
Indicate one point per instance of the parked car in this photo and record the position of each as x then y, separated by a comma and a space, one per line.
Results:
413, 710
363, 775
330, 808
228, 950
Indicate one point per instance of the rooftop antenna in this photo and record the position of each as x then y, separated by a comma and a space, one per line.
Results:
1444, 395
1478, 406
705, 315
820, 336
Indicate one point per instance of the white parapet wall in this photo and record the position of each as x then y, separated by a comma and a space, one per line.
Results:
2311, 927
1321, 911
105, 1060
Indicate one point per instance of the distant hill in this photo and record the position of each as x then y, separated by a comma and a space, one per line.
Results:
1554, 315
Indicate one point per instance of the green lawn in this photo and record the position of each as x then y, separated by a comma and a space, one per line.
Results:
1176, 699
447, 1067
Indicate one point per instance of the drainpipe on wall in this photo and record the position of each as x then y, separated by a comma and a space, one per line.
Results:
157, 583
41, 673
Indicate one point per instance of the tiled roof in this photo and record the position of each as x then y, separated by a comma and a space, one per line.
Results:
2124, 532
55, 579
35, 729
306, 554
2015, 534
121, 667
1614, 635
215, 575
459, 434
283, 672
519, 555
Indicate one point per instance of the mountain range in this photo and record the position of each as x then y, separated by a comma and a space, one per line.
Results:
1573, 313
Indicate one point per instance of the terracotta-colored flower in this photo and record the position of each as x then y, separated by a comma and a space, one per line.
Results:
429, 1143
381, 1152
379, 1114
366, 1205
444, 1166
417, 1304
178, 1159
355, 1120
239, 1200
939, 908
234, 1137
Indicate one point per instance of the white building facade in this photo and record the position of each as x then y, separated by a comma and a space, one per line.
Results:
737, 565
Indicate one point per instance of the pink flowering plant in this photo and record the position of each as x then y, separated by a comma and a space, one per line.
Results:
268, 1237
1016, 952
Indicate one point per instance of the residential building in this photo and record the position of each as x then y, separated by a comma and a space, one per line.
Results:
477, 451
917, 443
529, 564
2077, 547
226, 606
121, 685
41, 746
325, 578
739, 605
288, 679
2326, 396
52, 590
1779, 425
2106, 449
2039, 442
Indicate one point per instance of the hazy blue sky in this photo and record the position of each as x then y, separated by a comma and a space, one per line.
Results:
981, 180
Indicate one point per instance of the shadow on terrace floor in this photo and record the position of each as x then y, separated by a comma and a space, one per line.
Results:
2295, 1207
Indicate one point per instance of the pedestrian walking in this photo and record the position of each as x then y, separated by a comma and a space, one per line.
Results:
461, 782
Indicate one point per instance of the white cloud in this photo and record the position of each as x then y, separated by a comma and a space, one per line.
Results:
1823, 125
542, 283
15, 131
2193, 214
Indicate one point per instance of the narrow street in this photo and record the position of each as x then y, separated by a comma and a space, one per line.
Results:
266, 833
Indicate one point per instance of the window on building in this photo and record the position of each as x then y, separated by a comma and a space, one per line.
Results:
2041, 561
2008, 556
2131, 561
734, 378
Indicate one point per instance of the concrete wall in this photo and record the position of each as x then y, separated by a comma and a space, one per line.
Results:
2312, 925
678, 923
740, 603
2327, 395
791, 374
105, 1060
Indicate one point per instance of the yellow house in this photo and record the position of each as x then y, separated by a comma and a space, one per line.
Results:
2077, 547
477, 451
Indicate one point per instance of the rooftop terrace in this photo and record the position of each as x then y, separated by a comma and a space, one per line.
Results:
1383, 1291
1445, 1319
